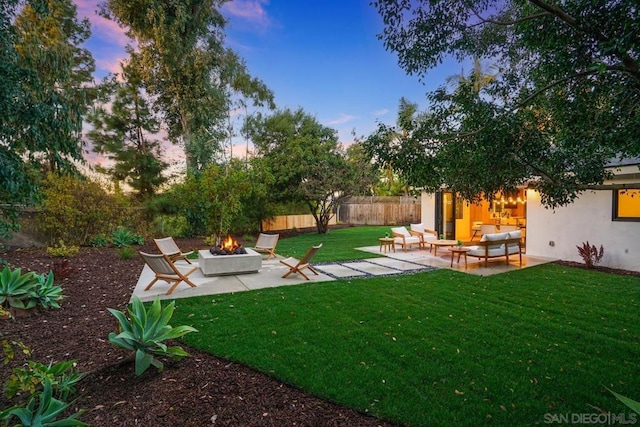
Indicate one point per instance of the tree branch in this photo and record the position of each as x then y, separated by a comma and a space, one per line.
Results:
505, 23
550, 85
555, 11
629, 63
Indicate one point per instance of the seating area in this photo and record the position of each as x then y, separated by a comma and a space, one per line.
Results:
185, 278
497, 245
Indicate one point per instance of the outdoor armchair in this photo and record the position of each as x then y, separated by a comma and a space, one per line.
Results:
266, 243
166, 270
297, 265
424, 233
402, 237
169, 248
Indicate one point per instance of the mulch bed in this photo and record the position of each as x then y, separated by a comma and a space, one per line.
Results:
201, 390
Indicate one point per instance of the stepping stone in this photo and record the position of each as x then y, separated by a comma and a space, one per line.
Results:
371, 268
338, 270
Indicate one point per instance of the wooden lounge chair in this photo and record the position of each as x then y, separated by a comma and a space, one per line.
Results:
402, 237
166, 270
169, 248
297, 265
266, 244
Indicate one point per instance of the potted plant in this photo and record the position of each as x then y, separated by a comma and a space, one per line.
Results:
459, 243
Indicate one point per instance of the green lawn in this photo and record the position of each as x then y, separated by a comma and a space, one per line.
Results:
337, 245
440, 347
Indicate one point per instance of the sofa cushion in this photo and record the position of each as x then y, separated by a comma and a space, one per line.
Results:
514, 247
428, 237
479, 251
408, 240
401, 230
495, 237
515, 234
417, 227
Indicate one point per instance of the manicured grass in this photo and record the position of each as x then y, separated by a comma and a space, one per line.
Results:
440, 347
337, 245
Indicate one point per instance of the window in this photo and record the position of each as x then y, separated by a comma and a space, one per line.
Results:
626, 205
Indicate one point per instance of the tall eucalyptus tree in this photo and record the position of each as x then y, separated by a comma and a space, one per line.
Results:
187, 70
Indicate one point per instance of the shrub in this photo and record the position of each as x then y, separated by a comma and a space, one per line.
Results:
171, 225
47, 412
42, 382
45, 293
100, 241
62, 251
122, 237
76, 209
31, 378
144, 332
126, 252
62, 268
25, 291
16, 289
590, 254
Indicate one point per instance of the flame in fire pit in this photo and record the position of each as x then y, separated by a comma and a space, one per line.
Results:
228, 247
229, 244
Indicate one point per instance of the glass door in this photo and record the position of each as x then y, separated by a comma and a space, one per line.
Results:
448, 216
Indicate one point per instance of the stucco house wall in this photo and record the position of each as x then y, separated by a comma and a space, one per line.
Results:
556, 233
428, 210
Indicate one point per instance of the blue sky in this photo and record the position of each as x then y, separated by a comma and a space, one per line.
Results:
322, 56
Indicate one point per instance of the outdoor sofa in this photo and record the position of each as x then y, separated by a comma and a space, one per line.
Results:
498, 245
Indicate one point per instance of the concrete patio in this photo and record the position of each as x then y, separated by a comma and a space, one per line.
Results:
270, 274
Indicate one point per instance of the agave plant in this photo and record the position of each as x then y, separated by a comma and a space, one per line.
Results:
144, 332
31, 377
47, 412
45, 292
16, 288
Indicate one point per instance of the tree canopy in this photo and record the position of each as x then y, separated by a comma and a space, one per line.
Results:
305, 161
43, 95
564, 102
187, 70
127, 134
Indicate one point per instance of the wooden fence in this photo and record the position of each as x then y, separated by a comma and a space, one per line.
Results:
290, 222
357, 211
380, 210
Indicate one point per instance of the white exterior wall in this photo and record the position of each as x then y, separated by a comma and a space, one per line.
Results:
587, 219
428, 210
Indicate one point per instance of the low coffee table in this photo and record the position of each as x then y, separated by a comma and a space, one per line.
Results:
460, 250
435, 244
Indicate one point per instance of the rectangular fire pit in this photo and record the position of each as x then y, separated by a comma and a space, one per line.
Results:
224, 265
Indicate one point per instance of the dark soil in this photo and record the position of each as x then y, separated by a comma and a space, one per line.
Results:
600, 268
201, 390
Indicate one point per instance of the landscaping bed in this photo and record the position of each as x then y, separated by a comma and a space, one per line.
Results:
197, 391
